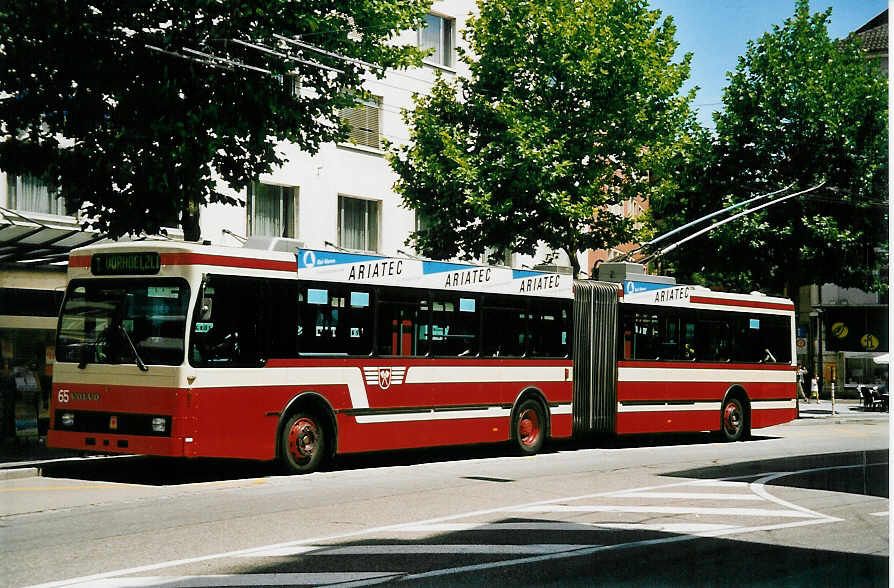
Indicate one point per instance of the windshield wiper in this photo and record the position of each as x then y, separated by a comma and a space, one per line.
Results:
136, 355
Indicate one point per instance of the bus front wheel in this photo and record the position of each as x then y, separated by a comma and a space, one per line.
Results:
529, 427
303, 443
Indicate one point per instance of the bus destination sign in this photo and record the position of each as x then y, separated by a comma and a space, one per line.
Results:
140, 263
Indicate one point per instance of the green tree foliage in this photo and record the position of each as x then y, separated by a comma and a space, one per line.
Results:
800, 108
136, 136
569, 105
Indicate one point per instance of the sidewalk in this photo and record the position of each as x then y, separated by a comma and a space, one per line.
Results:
849, 408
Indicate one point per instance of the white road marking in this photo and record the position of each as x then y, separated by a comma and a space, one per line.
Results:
688, 495
554, 526
699, 510
310, 579
884, 513
419, 548
719, 484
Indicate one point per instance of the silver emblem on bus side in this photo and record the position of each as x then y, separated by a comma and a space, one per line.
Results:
384, 377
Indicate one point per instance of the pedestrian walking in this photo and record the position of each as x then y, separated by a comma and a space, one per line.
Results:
802, 382
814, 388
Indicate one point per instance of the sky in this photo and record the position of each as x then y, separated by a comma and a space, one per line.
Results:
716, 33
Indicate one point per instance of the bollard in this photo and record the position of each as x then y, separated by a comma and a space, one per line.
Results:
833, 398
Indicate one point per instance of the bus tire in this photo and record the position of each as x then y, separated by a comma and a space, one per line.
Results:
732, 419
303, 443
529, 427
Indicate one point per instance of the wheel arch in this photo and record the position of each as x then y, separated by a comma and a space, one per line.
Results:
313, 402
530, 392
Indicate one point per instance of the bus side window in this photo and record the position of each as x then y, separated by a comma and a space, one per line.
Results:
646, 336
763, 339
403, 323
776, 336
670, 341
505, 332
358, 320
228, 327
318, 326
549, 329
455, 325
715, 338
283, 313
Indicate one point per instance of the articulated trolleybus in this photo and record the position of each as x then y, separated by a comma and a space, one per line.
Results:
181, 349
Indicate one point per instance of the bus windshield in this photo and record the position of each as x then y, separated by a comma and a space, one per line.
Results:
107, 321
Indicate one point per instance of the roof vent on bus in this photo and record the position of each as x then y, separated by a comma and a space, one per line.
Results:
632, 272
274, 244
553, 268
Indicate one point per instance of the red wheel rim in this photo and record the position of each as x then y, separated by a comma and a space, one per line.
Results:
303, 439
732, 417
528, 427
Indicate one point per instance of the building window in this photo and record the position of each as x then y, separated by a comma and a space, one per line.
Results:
291, 83
272, 210
358, 224
364, 119
27, 194
437, 33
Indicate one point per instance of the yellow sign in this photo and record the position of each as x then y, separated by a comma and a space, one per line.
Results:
839, 330
869, 342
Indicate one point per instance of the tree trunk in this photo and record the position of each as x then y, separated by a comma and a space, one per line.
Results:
571, 252
190, 220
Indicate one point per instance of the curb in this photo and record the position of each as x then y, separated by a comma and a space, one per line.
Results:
17, 473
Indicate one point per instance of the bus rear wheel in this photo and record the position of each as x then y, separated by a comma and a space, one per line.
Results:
303, 443
733, 420
529, 427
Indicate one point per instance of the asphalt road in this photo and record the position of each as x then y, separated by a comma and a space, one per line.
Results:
801, 504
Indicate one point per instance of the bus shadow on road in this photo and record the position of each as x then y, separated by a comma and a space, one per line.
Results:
157, 471
859, 472
523, 551
165, 471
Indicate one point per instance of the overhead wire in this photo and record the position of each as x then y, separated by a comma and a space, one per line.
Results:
701, 219
713, 226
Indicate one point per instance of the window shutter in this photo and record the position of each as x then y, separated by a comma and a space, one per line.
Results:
364, 121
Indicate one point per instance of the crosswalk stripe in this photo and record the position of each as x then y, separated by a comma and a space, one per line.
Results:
744, 512
719, 484
420, 549
447, 549
554, 526
688, 495
283, 579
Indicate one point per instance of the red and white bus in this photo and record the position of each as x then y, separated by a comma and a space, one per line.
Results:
181, 349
